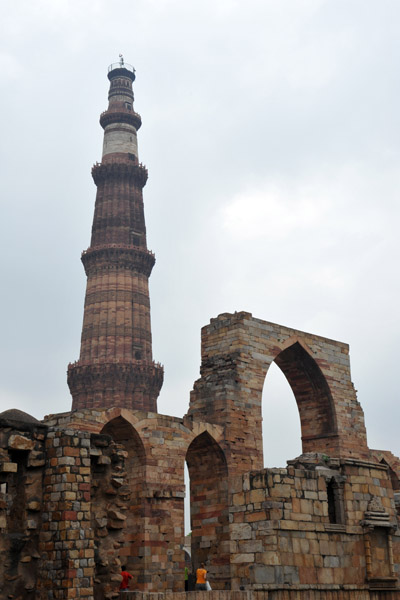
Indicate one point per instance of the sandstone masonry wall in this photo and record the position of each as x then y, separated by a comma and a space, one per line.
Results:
22, 458
283, 531
89, 490
237, 350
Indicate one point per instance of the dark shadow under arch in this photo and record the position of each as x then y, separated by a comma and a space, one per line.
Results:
392, 474
124, 433
312, 394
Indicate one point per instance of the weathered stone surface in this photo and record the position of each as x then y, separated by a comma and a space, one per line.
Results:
264, 574
8, 467
20, 442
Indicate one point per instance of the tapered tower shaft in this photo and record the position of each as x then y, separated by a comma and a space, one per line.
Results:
116, 367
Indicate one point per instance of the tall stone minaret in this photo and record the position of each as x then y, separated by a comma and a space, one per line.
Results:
116, 367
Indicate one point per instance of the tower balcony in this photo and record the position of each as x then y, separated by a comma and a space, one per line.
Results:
121, 69
133, 385
108, 117
120, 171
118, 256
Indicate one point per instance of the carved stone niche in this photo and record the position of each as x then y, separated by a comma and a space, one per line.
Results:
378, 532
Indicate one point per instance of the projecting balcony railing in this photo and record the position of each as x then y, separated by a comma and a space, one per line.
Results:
118, 247
121, 65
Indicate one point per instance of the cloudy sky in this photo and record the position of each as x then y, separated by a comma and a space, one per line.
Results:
271, 135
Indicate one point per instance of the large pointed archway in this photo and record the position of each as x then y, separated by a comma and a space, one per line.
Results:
312, 394
281, 428
237, 350
209, 508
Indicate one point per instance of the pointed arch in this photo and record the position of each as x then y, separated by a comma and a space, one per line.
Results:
279, 414
123, 432
312, 393
394, 478
208, 473
127, 438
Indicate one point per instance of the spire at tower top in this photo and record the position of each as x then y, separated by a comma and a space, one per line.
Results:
121, 68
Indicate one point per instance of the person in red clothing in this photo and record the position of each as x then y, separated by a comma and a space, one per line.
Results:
124, 587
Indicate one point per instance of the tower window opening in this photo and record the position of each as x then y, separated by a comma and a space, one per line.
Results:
137, 350
334, 490
136, 238
128, 106
330, 490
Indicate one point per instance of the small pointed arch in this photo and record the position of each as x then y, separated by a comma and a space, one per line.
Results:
124, 433
392, 474
202, 449
312, 394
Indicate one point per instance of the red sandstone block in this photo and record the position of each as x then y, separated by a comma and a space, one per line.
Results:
70, 573
68, 451
257, 516
69, 515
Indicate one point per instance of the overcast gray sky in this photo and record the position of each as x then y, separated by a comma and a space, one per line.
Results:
271, 135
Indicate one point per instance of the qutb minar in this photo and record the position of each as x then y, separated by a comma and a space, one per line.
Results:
116, 367
84, 492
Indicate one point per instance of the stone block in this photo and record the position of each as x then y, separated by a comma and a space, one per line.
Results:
33, 505
264, 574
8, 467
248, 546
240, 531
270, 558
20, 442
242, 558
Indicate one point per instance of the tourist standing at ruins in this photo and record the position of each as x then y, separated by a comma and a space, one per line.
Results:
124, 587
201, 578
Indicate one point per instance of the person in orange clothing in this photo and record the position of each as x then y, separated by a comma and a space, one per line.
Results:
201, 578
124, 587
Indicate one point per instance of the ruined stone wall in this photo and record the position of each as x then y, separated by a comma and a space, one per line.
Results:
66, 543
154, 448
21, 503
287, 528
89, 490
237, 350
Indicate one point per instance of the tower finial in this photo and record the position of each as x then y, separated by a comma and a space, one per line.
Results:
121, 60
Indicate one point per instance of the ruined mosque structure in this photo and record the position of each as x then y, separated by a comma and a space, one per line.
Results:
85, 491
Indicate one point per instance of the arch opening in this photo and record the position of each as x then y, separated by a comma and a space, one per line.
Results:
128, 471
209, 518
281, 429
313, 398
